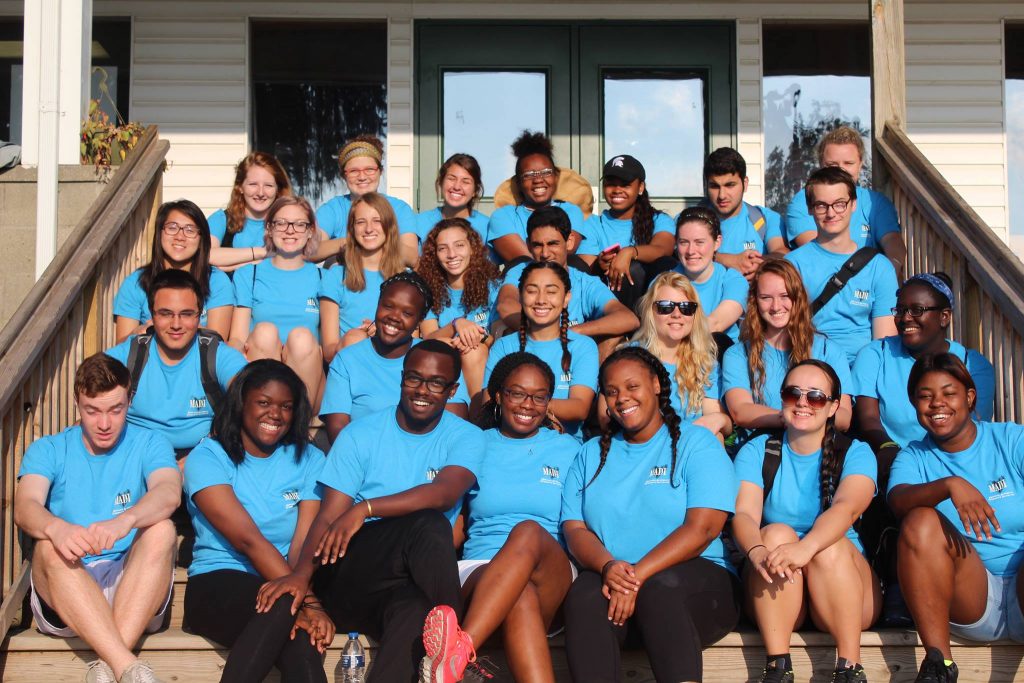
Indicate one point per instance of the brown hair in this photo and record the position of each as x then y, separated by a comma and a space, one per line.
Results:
843, 135
236, 205
478, 278
314, 238
99, 374
391, 262
829, 175
470, 165
940, 362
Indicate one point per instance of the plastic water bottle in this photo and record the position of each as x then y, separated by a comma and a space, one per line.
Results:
353, 661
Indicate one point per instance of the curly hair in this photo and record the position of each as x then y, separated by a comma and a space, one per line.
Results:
235, 212
352, 254
524, 322
831, 464
478, 279
752, 330
696, 355
644, 357
490, 413
199, 265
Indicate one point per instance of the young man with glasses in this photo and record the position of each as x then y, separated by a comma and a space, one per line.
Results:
860, 309
380, 552
169, 395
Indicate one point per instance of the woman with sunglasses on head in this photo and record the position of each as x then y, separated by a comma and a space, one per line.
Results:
460, 185
537, 180
277, 313
514, 571
673, 328
642, 510
361, 163
544, 293
794, 522
722, 291
961, 542
775, 333
181, 241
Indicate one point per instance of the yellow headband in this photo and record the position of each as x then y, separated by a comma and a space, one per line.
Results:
357, 149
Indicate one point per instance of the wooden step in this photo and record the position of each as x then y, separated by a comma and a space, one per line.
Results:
887, 655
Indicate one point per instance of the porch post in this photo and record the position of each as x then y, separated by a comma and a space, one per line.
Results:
888, 71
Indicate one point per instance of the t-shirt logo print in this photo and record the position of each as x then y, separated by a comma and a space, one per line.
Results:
291, 498
122, 501
550, 475
198, 405
860, 297
658, 475
431, 473
312, 305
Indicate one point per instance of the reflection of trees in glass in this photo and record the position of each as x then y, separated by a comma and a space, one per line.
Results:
787, 169
304, 125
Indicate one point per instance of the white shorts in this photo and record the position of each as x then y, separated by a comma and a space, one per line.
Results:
106, 573
467, 567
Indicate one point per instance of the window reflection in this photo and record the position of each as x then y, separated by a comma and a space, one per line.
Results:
484, 111
660, 121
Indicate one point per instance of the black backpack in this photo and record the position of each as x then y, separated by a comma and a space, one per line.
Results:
138, 353
773, 460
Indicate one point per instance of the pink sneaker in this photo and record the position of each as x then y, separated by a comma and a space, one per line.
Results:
449, 648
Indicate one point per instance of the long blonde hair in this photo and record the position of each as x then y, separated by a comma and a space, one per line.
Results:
391, 262
696, 355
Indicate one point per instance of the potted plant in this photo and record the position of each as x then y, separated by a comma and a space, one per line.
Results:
103, 143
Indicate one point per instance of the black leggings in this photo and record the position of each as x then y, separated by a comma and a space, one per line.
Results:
393, 572
679, 612
221, 605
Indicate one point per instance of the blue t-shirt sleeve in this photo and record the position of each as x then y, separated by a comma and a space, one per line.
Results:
595, 296
244, 281
222, 292
798, 219
836, 357
344, 471
572, 499
886, 287
664, 223
406, 217
513, 274
865, 371
159, 454
207, 465
467, 446
750, 461
218, 222
503, 222
883, 218
708, 473
230, 361
41, 459
734, 369
338, 391
130, 301
772, 225
332, 219
120, 352
906, 469
575, 214
715, 390
593, 243
860, 460
584, 364
313, 464
984, 377
331, 286
735, 287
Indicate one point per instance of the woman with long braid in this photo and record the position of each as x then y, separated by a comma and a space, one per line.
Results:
796, 528
544, 293
642, 510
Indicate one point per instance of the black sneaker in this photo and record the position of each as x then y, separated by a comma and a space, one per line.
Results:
934, 670
777, 672
854, 674
480, 670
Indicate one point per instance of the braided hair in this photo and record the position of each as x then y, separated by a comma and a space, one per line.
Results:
831, 464
644, 357
412, 278
490, 413
643, 219
524, 322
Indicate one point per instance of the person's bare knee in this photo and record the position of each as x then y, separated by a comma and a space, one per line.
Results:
777, 534
301, 344
263, 342
921, 532
157, 538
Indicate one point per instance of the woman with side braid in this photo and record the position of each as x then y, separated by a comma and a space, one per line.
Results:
796, 527
642, 510
544, 293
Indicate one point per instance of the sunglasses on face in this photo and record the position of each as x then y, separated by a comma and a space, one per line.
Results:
816, 398
664, 307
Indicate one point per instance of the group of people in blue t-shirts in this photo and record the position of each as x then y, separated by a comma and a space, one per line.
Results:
440, 428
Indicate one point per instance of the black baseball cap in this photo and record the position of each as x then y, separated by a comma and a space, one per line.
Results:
625, 167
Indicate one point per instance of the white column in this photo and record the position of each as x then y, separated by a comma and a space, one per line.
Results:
58, 40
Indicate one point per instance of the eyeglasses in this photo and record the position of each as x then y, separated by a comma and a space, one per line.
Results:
173, 228
516, 396
281, 225
434, 384
914, 310
356, 172
821, 208
168, 315
816, 398
539, 174
665, 307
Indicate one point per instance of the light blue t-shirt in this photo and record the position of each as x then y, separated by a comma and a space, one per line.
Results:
869, 294
375, 457
426, 220
360, 381
582, 367
882, 370
739, 234
735, 374
268, 488
875, 217
632, 506
519, 480
286, 298
170, 398
993, 464
795, 498
481, 315
511, 220
86, 488
251, 234
589, 294
332, 217
603, 231
353, 307
130, 301
725, 284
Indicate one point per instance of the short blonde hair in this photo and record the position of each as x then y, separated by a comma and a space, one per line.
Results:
843, 135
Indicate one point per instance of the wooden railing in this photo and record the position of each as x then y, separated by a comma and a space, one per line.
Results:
66, 317
944, 233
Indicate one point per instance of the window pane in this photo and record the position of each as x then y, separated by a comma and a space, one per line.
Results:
484, 111
660, 121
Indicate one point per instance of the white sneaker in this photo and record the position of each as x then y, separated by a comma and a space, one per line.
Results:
99, 672
139, 672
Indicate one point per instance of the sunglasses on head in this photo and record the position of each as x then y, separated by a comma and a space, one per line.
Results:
816, 398
664, 307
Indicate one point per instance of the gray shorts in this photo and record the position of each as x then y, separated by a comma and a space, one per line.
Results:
1002, 619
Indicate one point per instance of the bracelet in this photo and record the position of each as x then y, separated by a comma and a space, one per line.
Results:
887, 444
369, 508
253, 250
636, 254
605, 567
759, 545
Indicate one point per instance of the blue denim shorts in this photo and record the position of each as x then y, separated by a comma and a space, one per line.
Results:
1002, 619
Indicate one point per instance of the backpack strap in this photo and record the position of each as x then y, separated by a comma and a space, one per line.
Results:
835, 284
138, 353
757, 220
209, 341
229, 239
772, 462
